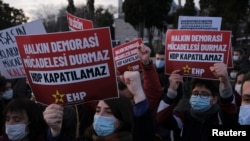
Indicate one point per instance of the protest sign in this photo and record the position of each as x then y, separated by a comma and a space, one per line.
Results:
69, 67
10, 61
199, 23
193, 51
126, 56
203, 23
77, 23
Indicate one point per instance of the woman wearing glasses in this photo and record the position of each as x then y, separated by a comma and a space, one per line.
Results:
211, 104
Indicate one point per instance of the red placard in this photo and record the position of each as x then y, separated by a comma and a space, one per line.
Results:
70, 67
193, 51
126, 56
76, 23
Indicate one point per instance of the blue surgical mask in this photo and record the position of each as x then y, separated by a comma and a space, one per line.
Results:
159, 64
16, 131
103, 126
199, 104
244, 115
8, 94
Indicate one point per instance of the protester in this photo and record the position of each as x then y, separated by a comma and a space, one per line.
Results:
244, 113
151, 84
8, 92
24, 121
239, 59
113, 117
238, 85
154, 83
21, 89
210, 105
3, 82
160, 67
233, 74
62, 122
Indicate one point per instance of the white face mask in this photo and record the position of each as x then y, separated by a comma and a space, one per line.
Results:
8, 94
16, 131
244, 115
233, 75
236, 58
237, 88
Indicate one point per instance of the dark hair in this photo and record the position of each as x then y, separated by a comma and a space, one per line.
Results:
246, 78
37, 124
122, 109
242, 71
241, 51
161, 51
3, 82
212, 85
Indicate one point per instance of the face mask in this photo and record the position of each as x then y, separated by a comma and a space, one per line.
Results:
235, 58
233, 75
103, 126
237, 88
244, 115
199, 104
8, 94
159, 64
16, 131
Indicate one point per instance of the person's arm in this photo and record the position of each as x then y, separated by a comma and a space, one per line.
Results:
166, 106
152, 85
53, 115
227, 100
220, 71
141, 111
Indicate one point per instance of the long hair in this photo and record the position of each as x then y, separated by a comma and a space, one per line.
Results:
37, 125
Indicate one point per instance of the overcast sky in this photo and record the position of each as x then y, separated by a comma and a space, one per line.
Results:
31, 6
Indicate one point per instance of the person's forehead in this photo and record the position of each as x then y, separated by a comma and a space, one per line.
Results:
201, 87
240, 77
21, 114
236, 52
246, 87
102, 104
160, 55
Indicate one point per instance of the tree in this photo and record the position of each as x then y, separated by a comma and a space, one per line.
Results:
233, 13
91, 9
58, 22
149, 14
48, 15
71, 7
187, 10
10, 16
104, 19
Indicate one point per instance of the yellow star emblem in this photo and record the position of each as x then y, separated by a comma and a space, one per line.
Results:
130, 68
186, 69
58, 97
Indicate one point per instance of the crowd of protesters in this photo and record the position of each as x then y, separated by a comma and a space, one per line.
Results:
149, 107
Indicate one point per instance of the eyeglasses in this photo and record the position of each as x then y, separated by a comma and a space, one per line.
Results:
202, 94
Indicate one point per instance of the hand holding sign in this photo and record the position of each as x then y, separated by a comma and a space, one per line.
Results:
175, 79
53, 115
